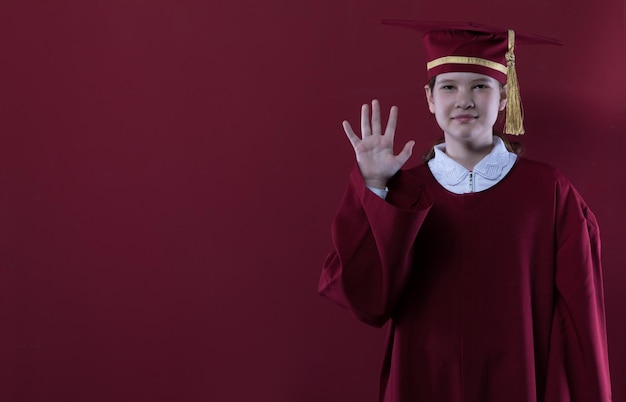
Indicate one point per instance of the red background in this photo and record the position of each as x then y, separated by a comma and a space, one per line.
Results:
169, 170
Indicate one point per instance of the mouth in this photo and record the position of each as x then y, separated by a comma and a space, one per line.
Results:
464, 118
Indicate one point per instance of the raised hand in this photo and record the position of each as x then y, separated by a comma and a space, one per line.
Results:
374, 150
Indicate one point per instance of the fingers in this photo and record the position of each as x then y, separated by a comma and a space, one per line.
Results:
376, 128
390, 130
407, 150
352, 137
366, 129
372, 127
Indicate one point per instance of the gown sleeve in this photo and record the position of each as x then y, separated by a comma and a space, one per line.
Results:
372, 243
578, 368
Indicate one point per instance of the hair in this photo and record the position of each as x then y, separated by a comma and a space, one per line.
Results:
511, 146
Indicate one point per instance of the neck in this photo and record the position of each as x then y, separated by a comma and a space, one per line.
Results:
468, 153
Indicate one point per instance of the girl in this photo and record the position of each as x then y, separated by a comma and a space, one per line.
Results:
486, 264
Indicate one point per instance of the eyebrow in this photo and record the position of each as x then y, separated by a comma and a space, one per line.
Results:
481, 80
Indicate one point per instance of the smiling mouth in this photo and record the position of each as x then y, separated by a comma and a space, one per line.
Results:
464, 118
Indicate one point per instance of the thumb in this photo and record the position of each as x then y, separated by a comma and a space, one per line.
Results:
406, 152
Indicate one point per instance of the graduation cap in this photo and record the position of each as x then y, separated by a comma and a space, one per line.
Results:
476, 48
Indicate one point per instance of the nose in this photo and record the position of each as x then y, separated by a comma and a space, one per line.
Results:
464, 100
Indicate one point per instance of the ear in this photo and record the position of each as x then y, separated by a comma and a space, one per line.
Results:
429, 99
503, 98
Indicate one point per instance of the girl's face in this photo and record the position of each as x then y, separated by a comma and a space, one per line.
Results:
466, 105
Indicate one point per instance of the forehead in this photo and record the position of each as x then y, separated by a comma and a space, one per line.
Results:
463, 77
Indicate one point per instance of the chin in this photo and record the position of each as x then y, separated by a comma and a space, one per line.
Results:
467, 135
463, 134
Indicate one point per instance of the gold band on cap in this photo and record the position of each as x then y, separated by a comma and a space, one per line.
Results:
467, 60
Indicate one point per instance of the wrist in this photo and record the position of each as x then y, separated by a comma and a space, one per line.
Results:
376, 183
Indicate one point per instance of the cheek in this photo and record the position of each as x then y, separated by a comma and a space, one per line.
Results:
495, 104
440, 106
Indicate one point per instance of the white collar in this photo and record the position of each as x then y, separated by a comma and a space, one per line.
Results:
490, 167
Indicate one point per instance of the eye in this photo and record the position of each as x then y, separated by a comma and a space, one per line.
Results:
481, 86
447, 87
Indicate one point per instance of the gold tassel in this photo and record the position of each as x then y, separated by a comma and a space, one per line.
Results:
514, 116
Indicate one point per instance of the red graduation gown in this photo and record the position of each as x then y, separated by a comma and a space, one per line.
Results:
493, 296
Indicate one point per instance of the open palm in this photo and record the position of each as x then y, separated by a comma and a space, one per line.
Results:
374, 149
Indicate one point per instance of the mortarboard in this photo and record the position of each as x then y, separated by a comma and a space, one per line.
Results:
470, 47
